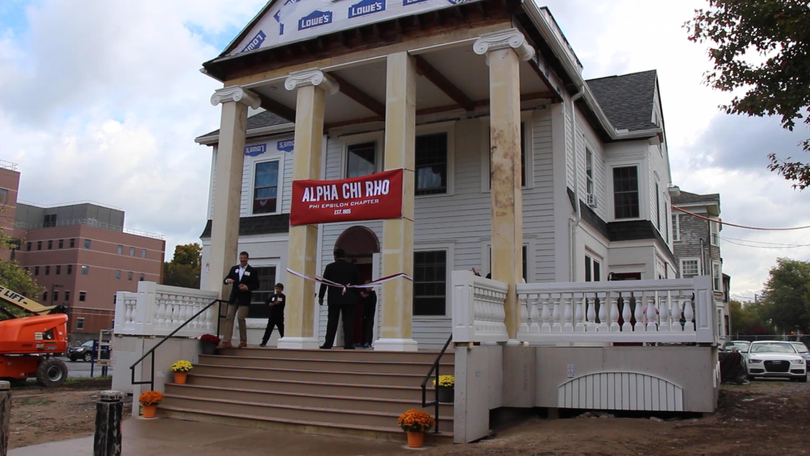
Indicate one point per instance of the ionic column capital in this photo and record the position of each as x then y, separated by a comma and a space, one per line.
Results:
236, 95
503, 39
314, 77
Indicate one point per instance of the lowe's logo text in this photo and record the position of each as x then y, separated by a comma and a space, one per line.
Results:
366, 7
256, 42
315, 19
286, 146
258, 149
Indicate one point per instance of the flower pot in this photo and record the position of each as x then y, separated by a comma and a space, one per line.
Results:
446, 394
149, 411
416, 439
180, 377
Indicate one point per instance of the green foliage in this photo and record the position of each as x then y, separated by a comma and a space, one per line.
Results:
786, 297
760, 47
15, 277
748, 318
184, 269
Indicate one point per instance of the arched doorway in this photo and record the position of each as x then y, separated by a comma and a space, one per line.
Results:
360, 244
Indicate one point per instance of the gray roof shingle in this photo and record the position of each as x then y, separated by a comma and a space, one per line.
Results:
627, 100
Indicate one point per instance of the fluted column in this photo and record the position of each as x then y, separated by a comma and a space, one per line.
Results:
312, 86
230, 159
400, 129
504, 50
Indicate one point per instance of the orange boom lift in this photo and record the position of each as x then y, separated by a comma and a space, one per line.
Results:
27, 343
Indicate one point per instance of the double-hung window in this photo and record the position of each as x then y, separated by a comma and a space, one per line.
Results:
430, 282
431, 164
265, 188
690, 267
625, 192
361, 159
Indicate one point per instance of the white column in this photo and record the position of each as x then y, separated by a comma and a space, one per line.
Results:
228, 182
302, 254
504, 50
400, 129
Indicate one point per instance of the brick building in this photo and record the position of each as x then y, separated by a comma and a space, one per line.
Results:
80, 254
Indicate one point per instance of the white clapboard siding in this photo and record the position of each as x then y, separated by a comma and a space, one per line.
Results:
620, 391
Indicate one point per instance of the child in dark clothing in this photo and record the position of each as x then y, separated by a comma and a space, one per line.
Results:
276, 303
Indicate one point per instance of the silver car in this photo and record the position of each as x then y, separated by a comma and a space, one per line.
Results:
803, 351
768, 358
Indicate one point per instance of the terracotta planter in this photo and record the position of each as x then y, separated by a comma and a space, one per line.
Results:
180, 377
446, 394
149, 411
415, 439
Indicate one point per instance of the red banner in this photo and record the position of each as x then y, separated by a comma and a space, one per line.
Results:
371, 197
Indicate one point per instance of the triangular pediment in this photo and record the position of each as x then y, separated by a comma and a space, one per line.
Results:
287, 21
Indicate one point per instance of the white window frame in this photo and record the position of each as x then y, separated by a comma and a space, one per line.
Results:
676, 227
377, 137
486, 259
450, 265
527, 119
448, 129
279, 185
590, 187
681, 267
79, 323
717, 276
714, 232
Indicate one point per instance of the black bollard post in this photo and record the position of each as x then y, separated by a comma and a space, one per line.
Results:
5, 415
109, 411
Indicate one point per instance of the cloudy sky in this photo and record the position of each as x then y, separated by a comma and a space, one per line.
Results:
101, 101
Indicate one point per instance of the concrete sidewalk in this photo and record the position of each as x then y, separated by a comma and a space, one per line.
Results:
167, 436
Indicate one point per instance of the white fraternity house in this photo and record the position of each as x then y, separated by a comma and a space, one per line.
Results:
510, 163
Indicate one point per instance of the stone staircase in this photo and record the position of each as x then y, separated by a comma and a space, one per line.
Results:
357, 392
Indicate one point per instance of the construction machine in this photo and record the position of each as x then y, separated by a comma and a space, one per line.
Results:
29, 344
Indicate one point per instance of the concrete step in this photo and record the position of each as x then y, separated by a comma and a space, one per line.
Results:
309, 375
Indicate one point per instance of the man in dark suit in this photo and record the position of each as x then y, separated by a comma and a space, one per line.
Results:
340, 300
244, 279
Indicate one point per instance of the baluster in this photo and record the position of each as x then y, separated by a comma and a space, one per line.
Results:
545, 317
614, 314
675, 313
534, 315
689, 314
603, 312
579, 314
626, 314
652, 315
637, 311
160, 311
556, 314
130, 311
523, 328
663, 308
567, 315
590, 316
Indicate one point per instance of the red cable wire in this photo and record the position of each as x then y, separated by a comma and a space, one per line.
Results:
738, 226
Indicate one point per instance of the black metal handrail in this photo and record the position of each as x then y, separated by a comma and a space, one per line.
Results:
434, 367
151, 351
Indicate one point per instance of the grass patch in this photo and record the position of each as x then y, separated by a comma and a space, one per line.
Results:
38, 400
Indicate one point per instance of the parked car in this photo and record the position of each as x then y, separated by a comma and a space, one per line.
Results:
86, 351
803, 351
740, 345
773, 358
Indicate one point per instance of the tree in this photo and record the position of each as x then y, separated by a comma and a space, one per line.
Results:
786, 297
761, 47
184, 269
748, 318
15, 277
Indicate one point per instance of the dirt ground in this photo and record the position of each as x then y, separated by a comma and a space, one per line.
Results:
762, 418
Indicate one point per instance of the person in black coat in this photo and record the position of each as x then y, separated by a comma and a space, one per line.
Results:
244, 279
276, 303
369, 297
340, 301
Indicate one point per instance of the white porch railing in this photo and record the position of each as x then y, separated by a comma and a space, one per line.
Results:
157, 310
478, 312
622, 311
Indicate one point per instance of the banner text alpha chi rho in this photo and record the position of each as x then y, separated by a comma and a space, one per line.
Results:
371, 197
